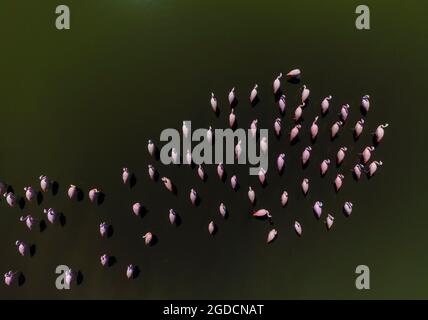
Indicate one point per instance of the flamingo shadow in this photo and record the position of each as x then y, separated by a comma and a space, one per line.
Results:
32, 250
112, 261
80, 195
79, 278
39, 198
278, 95
62, 219
21, 279
294, 80
197, 201
143, 212
156, 176
21, 203
295, 141
136, 272
132, 181
154, 241
234, 103
55, 188
217, 112
178, 220
255, 101
101, 198
42, 225
110, 231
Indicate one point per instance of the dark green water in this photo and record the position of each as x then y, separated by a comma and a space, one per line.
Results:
79, 105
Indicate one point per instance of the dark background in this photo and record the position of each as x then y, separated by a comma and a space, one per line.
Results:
78, 105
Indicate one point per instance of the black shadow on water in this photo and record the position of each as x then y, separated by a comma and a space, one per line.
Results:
132, 181
217, 112
305, 165
355, 137
10, 189
136, 272
112, 261
178, 220
79, 278
157, 154
55, 188
295, 141
255, 101
21, 279
101, 198
375, 142
299, 121
355, 176
154, 241
156, 176
198, 201
39, 198
363, 111
143, 212
32, 250
294, 80
278, 95
110, 231
62, 219
42, 225
264, 218
234, 103
21, 203
174, 189
80, 195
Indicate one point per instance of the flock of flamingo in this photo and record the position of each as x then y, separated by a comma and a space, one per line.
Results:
365, 166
